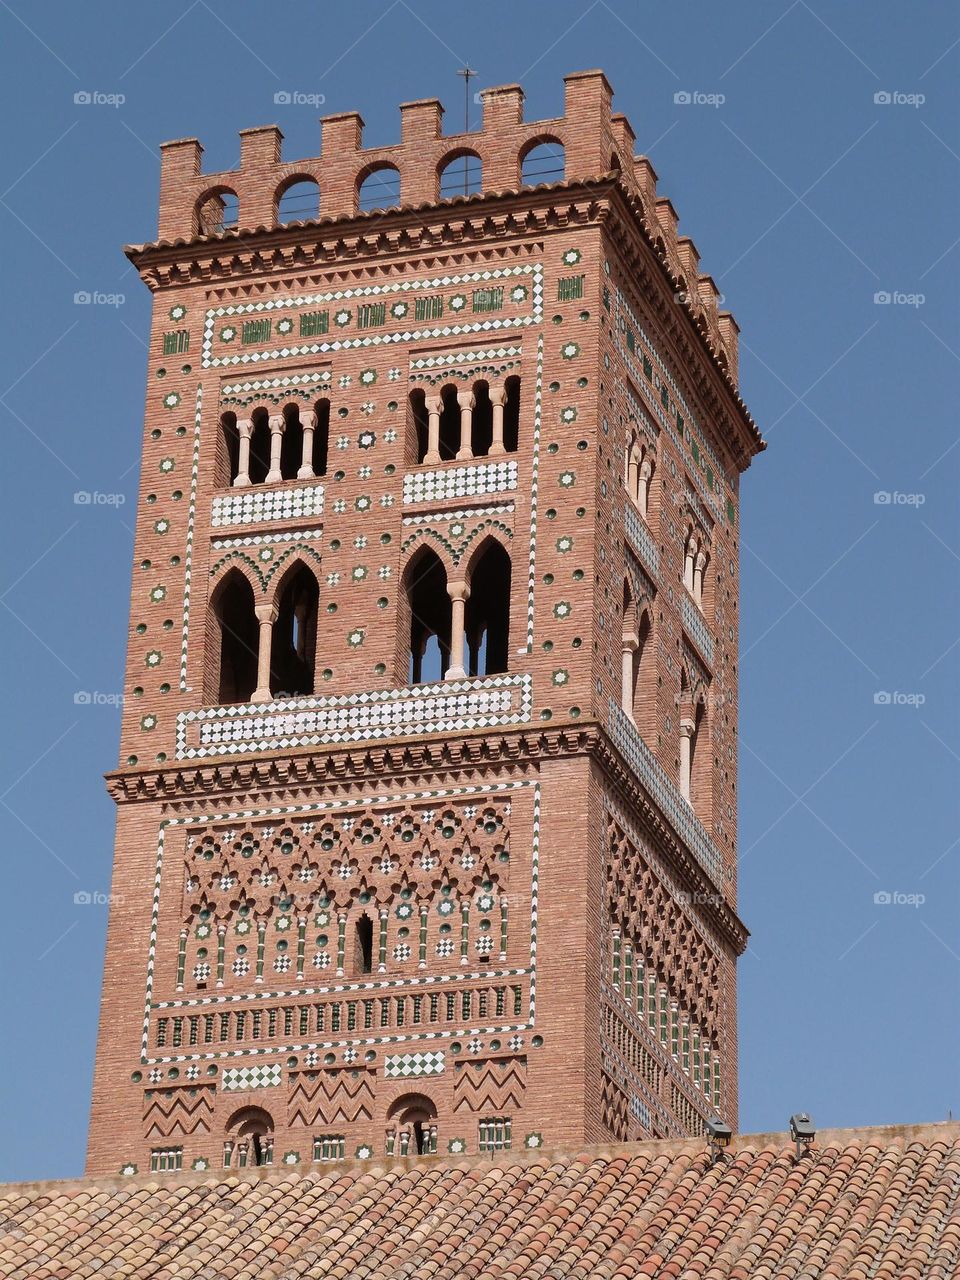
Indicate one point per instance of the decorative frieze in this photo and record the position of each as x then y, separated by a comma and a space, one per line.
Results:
696, 628
451, 706
258, 505
237, 1078
452, 484
641, 539
404, 1065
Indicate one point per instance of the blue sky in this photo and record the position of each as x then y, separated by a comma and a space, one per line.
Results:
807, 197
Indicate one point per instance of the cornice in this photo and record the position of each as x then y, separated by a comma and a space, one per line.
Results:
434, 762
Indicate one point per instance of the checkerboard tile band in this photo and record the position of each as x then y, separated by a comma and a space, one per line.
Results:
404, 1065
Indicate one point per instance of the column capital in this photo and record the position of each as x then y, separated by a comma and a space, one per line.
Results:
458, 590
465, 398
433, 403
308, 419
245, 428
687, 727
266, 613
278, 423
498, 393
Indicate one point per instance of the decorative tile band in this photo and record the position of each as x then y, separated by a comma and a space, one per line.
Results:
641, 539
265, 539
503, 508
465, 357
251, 1077
384, 713
273, 384
676, 810
191, 527
460, 482
254, 506
334, 806
413, 1064
345, 317
696, 628
534, 490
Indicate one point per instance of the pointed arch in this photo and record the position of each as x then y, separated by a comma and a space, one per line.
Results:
424, 619
294, 649
487, 612
233, 637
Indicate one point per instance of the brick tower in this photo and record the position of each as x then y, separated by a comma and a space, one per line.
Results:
426, 833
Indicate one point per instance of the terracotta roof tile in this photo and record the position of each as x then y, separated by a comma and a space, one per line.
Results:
862, 1205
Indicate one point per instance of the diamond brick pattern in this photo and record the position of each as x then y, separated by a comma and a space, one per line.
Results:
696, 628
413, 1064
237, 1078
641, 539
254, 506
386, 713
456, 483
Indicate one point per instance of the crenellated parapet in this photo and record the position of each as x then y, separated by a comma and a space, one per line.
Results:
588, 141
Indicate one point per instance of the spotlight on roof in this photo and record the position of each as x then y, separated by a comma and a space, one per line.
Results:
802, 1131
719, 1136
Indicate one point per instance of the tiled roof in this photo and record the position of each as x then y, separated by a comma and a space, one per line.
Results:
871, 1203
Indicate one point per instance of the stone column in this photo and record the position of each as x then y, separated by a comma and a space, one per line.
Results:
459, 593
630, 645
643, 489
633, 476
266, 616
699, 564
277, 425
688, 559
245, 431
687, 731
308, 421
467, 401
498, 398
434, 404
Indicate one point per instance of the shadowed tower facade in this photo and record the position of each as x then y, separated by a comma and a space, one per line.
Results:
426, 834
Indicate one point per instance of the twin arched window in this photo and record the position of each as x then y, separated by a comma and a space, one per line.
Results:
638, 676
695, 561
266, 447
638, 475
259, 652
457, 628
461, 422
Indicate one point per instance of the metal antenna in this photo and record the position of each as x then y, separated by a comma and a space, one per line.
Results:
468, 75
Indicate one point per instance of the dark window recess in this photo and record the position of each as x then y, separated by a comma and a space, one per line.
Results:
176, 342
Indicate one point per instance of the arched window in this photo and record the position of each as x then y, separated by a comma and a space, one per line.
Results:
298, 201
694, 750
379, 188
544, 162
449, 443
228, 453
218, 210
234, 638
260, 447
481, 420
460, 175
363, 946
427, 612
628, 652
291, 447
249, 1138
294, 647
418, 437
487, 612
511, 415
645, 681
413, 1120
695, 560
